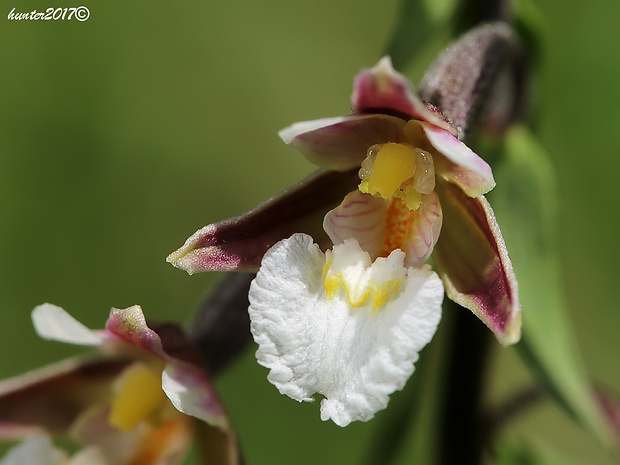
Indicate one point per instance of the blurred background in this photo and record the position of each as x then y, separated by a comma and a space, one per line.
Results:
122, 135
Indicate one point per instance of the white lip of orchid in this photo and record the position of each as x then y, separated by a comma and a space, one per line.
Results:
340, 325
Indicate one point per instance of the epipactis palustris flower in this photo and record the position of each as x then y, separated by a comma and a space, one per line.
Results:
139, 401
348, 323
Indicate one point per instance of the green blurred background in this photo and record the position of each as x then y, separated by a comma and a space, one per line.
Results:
122, 135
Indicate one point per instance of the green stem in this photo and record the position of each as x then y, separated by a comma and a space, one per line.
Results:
461, 433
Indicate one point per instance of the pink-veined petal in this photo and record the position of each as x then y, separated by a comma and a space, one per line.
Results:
459, 164
381, 89
238, 244
472, 260
342, 143
425, 231
54, 323
364, 217
360, 216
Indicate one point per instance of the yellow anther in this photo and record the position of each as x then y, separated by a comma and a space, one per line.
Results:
139, 396
393, 165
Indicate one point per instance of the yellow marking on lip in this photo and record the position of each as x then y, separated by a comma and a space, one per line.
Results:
139, 396
375, 295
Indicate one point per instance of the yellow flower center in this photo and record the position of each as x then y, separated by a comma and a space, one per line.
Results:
397, 171
138, 397
393, 165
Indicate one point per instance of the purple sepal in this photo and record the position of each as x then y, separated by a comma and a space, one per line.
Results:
51, 398
383, 90
472, 260
238, 244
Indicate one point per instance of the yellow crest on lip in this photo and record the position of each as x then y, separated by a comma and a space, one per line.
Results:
394, 164
361, 283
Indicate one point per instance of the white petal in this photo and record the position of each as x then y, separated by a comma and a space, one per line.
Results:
35, 450
354, 355
192, 394
52, 322
289, 133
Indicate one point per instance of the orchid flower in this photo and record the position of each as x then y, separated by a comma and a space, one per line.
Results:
417, 180
140, 401
348, 323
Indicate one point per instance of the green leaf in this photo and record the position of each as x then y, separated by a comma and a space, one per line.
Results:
526, 203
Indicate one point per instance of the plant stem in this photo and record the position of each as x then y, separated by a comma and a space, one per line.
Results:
461, 433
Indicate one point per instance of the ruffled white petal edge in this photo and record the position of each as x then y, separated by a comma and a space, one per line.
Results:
54, 323
355, 357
